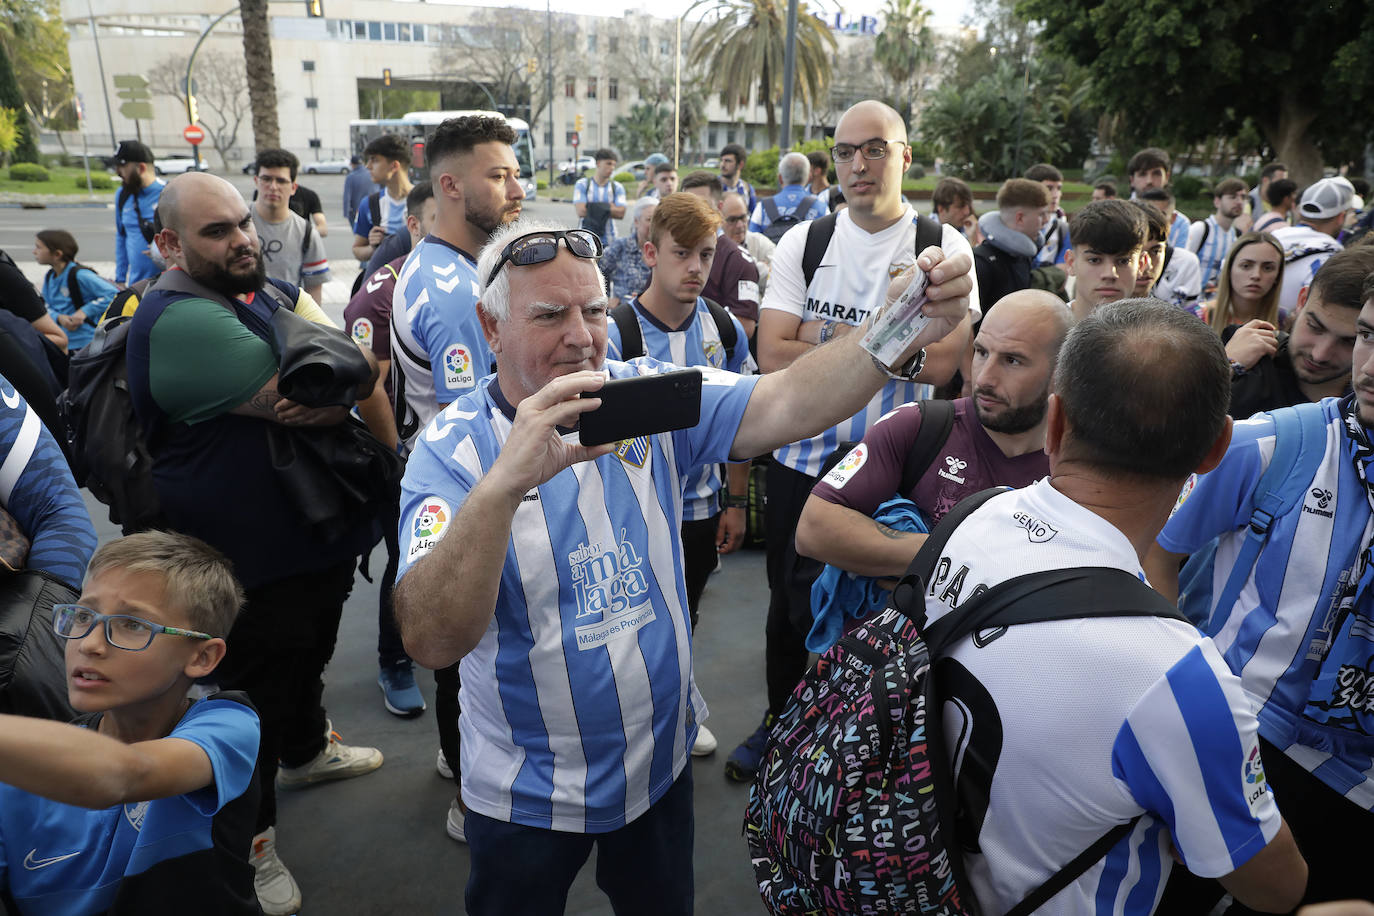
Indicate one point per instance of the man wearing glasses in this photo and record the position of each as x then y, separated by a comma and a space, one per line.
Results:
561, 587
810, 301
291, 248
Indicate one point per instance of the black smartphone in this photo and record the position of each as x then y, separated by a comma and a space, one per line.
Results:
642, 406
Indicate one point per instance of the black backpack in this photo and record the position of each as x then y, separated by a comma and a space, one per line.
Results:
632, 338
106, 443
74, 287
928, 233
778, 224
857, 771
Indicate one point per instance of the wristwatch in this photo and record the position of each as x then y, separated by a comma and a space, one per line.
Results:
908, 370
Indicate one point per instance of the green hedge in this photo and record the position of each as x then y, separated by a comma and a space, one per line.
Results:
1188, 186
28, 171
100, 181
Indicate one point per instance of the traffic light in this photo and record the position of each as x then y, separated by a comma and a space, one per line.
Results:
531, 66
192, 109
314, 8
386, 76
577, 123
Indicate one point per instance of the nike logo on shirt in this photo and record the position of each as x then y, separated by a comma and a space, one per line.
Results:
33, 864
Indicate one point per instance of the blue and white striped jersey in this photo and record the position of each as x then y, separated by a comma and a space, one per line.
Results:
697, 343
1178, 232
1069, 728
1211, 244
579, 707
1278, 635
37, 489
849, 283
587, 191
438, 349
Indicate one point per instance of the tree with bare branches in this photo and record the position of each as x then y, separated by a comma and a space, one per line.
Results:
221, 85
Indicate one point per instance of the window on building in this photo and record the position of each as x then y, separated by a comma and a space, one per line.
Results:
591, 43
612, 88
591, 87
644, 44
403, 31
389, 31
417, 31
711, 139
312, 102
665, 47
359, 30
308, 66
570, 87
374, 31
613, 44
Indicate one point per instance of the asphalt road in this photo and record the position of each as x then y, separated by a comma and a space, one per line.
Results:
376, 845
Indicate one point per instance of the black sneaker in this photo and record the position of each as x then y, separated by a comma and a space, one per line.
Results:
744, 760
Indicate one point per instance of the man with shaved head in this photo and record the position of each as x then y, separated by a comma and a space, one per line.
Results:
828, 277
997, 438
203, 379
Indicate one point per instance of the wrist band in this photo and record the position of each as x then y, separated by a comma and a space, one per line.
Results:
736, 502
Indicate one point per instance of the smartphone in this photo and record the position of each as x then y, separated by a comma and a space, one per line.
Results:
642, 406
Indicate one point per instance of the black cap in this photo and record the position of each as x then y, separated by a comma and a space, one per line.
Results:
132, 151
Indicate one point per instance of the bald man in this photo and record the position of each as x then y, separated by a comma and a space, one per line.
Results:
997, 439
203, 375
859, 249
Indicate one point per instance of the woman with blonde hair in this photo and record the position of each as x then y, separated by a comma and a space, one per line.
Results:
1249, 284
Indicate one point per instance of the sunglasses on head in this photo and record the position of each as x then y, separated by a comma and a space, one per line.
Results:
538, 247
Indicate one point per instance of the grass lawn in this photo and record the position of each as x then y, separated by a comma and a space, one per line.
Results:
61, 181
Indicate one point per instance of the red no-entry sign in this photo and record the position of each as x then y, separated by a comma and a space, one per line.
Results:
193, 134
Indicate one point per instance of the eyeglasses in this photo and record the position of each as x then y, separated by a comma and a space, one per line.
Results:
134, 634
538, 247
875, 148
273, 179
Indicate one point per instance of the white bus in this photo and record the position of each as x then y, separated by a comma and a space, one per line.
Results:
416, 127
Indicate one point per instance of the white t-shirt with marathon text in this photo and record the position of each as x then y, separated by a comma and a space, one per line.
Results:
1089, 723
850, 282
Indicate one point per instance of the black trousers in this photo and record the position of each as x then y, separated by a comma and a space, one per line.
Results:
390, 650
446, 684
1332, 833
784, 652
698, 559
278, 650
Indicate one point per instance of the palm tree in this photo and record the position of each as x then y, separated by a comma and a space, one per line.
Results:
741, 47
902, 47
262, 85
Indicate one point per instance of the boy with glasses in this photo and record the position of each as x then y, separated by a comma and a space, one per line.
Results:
291, 248
148, 799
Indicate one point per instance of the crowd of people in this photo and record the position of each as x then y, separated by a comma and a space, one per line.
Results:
1188, 403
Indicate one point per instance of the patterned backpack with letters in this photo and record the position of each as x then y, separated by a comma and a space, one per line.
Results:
854, 808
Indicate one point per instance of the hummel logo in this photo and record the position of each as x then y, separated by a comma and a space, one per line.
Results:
374, 285
33, 864
11, 398
447, 285
956, 467
444, 271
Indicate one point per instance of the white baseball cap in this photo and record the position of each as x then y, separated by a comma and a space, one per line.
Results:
1327, 198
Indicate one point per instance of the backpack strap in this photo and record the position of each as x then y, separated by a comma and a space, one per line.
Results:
818, 233
305, 239
770, 209
1299, 444
631, 336
928, 233
937, 420
74, 286
909, 594
374, 208
804, 207
725, 327
1074, 870
120, 200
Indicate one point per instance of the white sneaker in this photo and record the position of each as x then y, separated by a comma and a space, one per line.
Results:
705, 745
442, 766
454, 826
278, 893
336, 761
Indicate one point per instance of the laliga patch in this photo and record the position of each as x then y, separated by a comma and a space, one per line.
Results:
633, 451
432, 520
458, 371
362, 332
1183, 494
748, 291
839, 475
1255, 783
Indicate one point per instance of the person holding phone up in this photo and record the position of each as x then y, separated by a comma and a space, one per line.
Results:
554, 571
